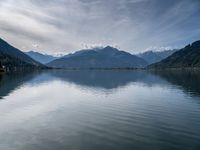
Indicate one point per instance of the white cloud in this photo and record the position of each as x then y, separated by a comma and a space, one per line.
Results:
64, 25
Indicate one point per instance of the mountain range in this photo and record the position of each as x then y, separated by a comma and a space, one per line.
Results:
187, 57
149, 56
108, 57
42, 58
99, 58
14, 59
155, 56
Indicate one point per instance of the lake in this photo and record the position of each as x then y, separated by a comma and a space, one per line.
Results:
100, 110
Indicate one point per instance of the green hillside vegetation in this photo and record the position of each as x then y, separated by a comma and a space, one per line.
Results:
188, 57
12, 59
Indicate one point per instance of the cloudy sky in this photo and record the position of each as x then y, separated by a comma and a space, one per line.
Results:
63, 26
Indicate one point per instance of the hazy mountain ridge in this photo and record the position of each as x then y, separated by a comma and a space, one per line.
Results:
107, 57
13, 58
42, 58
187, 57
101, 58
155, 56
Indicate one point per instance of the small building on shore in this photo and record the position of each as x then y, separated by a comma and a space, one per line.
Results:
2, 67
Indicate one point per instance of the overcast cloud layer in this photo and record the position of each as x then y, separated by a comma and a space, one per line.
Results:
54, 26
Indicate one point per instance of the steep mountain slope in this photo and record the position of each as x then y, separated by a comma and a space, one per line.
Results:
42, 58
102, 58
153, 57
188, 57
12, 58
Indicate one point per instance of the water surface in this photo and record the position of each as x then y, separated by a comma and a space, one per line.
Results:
101, 110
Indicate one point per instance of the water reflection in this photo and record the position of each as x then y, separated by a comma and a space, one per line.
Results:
150, 110
104, 81
189, 81
10, 82
108, 79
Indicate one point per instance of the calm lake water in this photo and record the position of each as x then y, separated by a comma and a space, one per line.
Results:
100, 110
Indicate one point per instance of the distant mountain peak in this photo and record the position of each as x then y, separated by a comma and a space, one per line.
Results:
187, 57
107, 57
197, 43
40, 57
155, 56
109, 47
